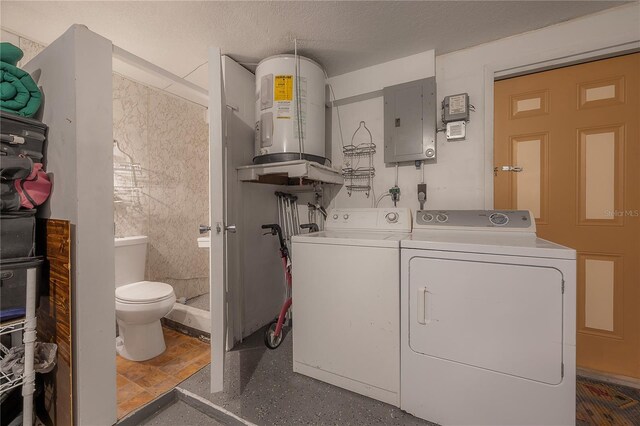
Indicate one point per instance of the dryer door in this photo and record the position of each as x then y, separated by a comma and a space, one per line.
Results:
504, 317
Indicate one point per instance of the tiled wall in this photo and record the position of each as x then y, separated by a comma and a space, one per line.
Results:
168, 137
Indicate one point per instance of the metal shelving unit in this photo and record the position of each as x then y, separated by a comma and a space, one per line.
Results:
359, 178
26, 326
127, 176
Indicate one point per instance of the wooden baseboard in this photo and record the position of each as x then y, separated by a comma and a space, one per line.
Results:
609, 378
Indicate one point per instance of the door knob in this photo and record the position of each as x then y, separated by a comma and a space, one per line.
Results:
204, 229
515, 169
230, 228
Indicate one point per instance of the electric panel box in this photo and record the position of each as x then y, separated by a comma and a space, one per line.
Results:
410, 121
455, 108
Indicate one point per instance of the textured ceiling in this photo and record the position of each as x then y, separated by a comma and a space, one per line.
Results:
343, 36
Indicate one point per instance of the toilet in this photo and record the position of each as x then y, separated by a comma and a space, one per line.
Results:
139, 304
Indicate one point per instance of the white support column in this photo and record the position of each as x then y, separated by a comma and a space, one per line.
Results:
75, 74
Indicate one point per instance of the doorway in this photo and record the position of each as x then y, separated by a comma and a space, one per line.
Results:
566, 147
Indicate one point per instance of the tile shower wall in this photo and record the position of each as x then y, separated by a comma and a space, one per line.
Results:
168, 137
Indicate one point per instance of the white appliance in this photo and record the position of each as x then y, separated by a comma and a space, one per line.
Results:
487, 321
278, 126
346, 301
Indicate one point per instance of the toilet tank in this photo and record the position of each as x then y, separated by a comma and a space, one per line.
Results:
131, 256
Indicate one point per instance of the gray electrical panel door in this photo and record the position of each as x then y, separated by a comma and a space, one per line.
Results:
410, 121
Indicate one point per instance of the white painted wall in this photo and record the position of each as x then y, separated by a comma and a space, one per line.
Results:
75, 75
367, 84
375, 78
463, 177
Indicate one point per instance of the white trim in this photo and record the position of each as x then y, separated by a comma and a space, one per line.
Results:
588, 56
491, 73
124, 60
214, 406
142, 64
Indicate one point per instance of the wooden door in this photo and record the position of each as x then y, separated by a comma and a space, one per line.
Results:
566, 147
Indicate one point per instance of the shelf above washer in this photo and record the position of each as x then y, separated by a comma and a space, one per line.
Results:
297, 172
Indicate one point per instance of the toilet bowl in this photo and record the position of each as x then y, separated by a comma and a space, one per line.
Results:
139, 304
139, 307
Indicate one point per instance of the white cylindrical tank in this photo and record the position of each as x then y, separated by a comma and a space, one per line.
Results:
277, 133
130, 259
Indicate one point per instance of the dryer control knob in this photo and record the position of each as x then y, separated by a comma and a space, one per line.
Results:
335, 217
441, 217
499, 219
345, 217
392, 217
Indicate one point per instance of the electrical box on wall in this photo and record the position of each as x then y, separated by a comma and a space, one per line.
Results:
410, 121
455, 108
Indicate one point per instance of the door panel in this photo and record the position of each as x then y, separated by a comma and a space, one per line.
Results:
497, 316
584, 189
217, 252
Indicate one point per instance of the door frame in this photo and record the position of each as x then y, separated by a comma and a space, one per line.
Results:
499, 71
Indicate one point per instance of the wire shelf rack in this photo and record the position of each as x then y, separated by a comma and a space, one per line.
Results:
9, 381
358, 172
12, 326
127, 177
127, 167
359, 178
361, 150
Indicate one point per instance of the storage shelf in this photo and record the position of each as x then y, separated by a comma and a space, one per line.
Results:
8, 382
297, 172
26, 326
12, 326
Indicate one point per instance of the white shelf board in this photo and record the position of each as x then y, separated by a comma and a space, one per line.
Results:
297, 169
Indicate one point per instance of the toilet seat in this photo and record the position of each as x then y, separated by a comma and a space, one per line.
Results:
144, 292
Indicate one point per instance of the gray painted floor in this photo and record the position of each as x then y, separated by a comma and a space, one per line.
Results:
200, 302
262, 388
179, 414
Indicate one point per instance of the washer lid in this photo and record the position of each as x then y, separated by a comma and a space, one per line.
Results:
144, 292
352, 238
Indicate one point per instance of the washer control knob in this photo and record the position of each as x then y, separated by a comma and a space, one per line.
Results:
427, 217
499, 219
441, 217
345, 217
335, 217
392, 217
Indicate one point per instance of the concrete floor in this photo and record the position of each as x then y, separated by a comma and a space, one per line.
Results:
261, 387
180, 413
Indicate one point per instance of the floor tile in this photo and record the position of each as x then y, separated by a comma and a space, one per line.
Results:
188, 371
133, 403
128, 391
140, 382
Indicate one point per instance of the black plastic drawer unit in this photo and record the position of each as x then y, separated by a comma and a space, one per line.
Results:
17, 234
22, 136
13, 286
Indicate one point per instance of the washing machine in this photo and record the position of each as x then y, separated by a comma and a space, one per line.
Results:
346, 301
488, 328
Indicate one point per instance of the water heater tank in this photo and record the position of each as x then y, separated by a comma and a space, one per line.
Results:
282, 135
